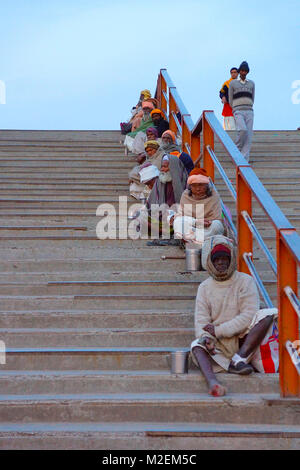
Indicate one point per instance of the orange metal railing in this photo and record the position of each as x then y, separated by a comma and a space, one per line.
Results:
198, 140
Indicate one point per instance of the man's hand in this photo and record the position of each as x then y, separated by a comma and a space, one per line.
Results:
210, 328
207, 223
209, 345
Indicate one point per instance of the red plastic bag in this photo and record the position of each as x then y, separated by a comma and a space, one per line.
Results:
266, 357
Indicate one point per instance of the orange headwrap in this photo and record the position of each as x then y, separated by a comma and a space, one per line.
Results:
198, 171
170, 133
156, 111
198, 179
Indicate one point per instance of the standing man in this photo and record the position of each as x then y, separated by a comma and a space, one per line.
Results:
229, 122
241, 99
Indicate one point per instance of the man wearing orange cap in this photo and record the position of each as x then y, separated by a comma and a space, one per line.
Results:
168, 142
200, 206
159, 122
169, 145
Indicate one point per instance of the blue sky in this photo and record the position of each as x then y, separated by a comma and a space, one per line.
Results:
80, 64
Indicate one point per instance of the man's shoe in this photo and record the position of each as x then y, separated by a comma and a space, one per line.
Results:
241, 368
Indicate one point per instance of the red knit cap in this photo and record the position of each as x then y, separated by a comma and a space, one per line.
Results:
220, 248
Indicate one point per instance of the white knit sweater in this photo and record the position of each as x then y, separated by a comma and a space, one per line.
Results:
229, 305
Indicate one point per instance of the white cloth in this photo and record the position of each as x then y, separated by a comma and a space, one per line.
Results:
138, 191
229, 123
148, 173
128, 142
138, 145
186, 227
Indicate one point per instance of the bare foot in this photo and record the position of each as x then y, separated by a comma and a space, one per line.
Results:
216, 389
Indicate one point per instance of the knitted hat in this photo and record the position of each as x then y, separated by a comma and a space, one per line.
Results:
244, 66
220, 250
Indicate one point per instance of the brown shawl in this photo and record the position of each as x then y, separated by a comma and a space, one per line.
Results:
212, 206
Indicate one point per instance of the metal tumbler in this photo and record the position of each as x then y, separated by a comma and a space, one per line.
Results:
193, 260
179, 362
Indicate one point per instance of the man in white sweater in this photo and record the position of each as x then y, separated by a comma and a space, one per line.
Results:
229, 326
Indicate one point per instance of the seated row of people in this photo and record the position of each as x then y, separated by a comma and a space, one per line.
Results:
164, 175
229, 325
148, 116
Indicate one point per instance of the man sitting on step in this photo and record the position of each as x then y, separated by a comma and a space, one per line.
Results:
228, 323
166, 194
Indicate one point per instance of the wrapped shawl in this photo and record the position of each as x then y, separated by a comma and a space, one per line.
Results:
212, 206
142, 127
179, 179
172, 147
157, 158
136, 188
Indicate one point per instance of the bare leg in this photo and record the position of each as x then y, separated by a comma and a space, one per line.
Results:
255, 337
214, 387
239, 363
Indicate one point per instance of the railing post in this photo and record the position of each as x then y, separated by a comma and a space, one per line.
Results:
172, 108
207, 139
245, 237
158, 90
288, 322
195, 147
163, 101
185, 134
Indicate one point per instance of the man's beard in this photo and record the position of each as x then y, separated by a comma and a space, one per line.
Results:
165, 177
164, 145
146, 116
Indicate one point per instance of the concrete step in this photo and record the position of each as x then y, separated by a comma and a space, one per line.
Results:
90, 266
23, 136
83, 359
136, 381
102, 337
74, 251
21, 193
147, 436
98, 318
136, 275
12, 270
134, 287
81, 301
172, 407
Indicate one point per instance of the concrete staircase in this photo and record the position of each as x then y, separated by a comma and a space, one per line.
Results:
89, 324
